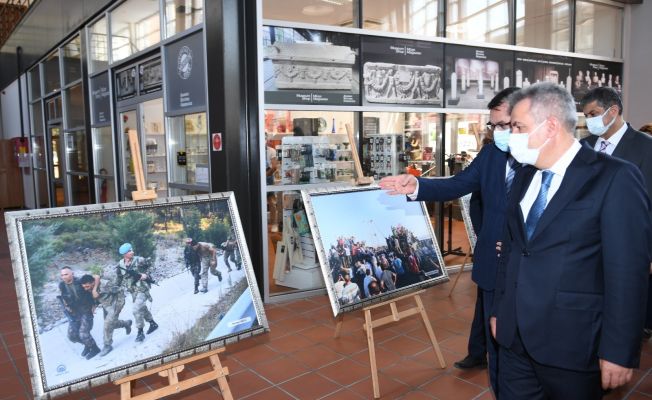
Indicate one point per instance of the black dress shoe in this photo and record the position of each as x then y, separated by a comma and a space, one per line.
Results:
471, 362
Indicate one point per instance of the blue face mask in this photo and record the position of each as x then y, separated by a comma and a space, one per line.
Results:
501, 139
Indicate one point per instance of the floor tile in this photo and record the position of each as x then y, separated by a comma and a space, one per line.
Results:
311, 386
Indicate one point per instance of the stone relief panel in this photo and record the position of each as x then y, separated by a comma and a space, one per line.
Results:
402, 84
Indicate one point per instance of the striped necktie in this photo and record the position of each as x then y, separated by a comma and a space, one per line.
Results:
539, 204
509, 178
603, 146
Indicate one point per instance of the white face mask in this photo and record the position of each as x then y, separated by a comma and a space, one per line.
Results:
596, 126
518, 147
501, 139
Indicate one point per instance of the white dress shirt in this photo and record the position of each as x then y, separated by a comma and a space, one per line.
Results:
613, 140
558, 170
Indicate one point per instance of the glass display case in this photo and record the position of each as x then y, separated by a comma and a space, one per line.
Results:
188, 149
154, 156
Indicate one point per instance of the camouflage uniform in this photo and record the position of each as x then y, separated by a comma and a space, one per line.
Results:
112, 299
231, 253
79, 304
139, 290
193, 263
208, 255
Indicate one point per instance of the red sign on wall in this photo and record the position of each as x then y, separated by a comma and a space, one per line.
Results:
216, 140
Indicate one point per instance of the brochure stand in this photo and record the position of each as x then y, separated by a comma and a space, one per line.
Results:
395, 316
171, 371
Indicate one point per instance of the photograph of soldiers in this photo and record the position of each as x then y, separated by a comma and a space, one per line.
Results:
231, 252
193, 261
138, 284
109, 292
207, 254
78, 306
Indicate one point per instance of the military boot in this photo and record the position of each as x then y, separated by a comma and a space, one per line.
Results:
106, 350
92, 352
219, 276
196, 289
86, 350
152, 327
141, 336
128, 327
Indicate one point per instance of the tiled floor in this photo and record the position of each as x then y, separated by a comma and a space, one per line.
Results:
300, 359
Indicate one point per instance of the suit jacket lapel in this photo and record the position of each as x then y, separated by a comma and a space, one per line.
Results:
578, 173
591, 140
624, 146
519, 188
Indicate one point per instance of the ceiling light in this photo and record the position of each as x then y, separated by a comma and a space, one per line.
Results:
317, 10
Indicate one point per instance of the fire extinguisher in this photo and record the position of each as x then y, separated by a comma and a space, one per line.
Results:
21, 149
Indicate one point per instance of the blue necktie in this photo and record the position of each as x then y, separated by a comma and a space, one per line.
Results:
513, 167
539, 204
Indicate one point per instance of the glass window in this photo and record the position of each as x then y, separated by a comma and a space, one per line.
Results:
417, 17
79, 189
103, 151
72, 61
332, 12
189, 149
53, 109
182, 14
135, 26
34, 83
98, 46
51, 73
36, 112
599, 29
41, 183
76, 161
464, 134
38, 147
395, 143
74, 107
478, 20
543, 24
105, 190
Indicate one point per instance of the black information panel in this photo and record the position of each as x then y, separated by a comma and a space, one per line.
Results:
474, 75
100, 99
531, 68
589, 74
185, 77
402, 72
305, 66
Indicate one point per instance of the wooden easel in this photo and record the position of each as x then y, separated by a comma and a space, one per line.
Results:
141, 193
360, 179
396, 316
457, 278
171, 371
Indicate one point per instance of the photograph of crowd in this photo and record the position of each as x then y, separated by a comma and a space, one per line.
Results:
382, 248
112, 289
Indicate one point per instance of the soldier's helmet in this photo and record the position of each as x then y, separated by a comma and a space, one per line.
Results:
125, 248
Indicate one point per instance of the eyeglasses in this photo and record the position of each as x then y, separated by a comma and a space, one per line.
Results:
500, 125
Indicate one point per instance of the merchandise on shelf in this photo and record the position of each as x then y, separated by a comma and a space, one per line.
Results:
315, 159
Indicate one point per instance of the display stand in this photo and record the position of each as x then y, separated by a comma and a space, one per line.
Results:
360, 179
395, 316
457, 278
141, 193
171, 371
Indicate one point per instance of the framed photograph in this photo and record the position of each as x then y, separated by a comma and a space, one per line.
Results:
590, 74
106, 289
475, 74
531, 68
465, 206
372, 246
307, 66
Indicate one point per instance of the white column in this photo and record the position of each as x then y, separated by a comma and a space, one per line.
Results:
519, 78
505, 82
480, 85
453, 85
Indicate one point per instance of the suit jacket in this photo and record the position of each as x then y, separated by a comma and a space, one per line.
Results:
486, 174
635, 147
577, 289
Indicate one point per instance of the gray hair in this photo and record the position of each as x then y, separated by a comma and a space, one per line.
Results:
548, 99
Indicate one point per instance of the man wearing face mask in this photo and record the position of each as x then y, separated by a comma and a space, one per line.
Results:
490, 173
610, 134
569, 305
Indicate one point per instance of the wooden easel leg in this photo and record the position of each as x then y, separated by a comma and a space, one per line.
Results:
431, 333
338, 326
457, 278
125, 391
221, 379
368, 327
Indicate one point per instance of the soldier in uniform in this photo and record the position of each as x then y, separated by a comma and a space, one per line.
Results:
79, 306
193, 261
109, 292
208, 256
136, 278
230, 249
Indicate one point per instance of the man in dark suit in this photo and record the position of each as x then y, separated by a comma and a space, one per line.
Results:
569, 306
489, 173
610, 134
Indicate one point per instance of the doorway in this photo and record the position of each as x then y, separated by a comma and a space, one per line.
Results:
55, 160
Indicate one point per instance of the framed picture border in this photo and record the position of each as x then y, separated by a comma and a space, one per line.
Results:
323, 258
27, 310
